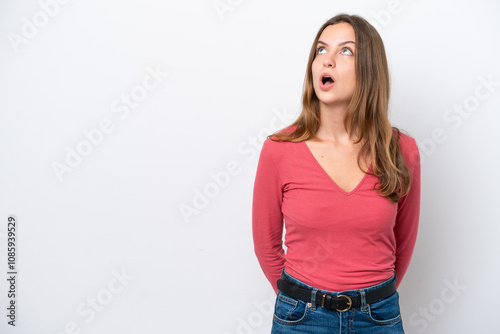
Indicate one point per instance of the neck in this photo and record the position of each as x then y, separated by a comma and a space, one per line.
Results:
332, 124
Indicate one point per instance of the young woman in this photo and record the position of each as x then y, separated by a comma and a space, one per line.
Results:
347, 185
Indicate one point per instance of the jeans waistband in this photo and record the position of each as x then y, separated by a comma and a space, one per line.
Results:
343, 292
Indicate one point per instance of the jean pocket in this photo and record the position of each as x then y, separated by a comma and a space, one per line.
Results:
385, 311
290, 311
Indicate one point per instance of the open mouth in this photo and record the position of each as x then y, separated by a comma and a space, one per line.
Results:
326, 81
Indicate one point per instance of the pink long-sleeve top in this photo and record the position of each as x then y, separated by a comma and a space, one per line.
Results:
335, 240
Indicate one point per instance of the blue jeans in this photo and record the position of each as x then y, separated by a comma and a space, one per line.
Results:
296, 316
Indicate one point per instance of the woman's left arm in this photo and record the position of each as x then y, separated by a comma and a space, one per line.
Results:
407, 218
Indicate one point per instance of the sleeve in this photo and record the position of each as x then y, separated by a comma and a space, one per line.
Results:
267, 217
407, 218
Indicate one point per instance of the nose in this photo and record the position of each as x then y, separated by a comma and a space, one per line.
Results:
328, 62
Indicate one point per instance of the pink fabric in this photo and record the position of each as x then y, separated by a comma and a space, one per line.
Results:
335, 240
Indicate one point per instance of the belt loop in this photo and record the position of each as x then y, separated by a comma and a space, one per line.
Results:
313, 298
363, 299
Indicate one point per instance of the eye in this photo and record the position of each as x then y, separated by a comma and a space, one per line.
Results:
349, 51
320, 50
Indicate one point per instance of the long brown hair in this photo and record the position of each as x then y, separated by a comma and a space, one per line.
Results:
367, 113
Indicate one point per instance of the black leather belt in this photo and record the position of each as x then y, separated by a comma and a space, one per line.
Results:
339, 303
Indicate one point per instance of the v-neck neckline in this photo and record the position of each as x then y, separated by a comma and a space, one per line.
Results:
347, 193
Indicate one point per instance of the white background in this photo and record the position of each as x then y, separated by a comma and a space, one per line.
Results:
235, 75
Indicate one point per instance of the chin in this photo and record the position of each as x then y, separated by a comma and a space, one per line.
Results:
329, 100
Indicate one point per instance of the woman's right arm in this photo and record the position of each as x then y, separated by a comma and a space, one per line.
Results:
267, 218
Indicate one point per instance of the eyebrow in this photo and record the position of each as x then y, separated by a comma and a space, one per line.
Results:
340, 44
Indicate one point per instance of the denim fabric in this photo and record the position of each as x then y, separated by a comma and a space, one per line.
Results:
296, 316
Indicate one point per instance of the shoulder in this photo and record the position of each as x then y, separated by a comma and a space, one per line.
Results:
405, 140
272, 141
279, 148
408, 146
288, 129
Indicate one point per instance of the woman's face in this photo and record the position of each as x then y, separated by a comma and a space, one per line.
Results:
333, 69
